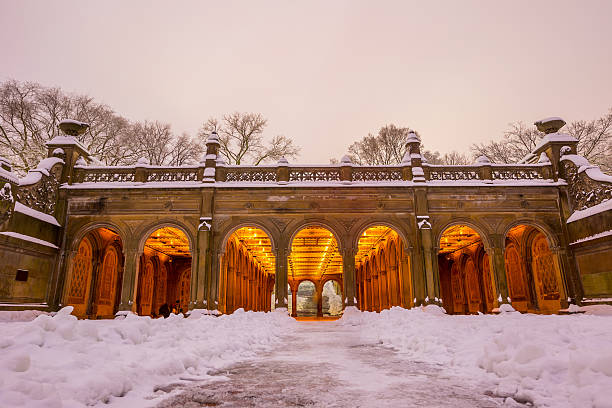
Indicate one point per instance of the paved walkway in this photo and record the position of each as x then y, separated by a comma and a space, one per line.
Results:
324, 364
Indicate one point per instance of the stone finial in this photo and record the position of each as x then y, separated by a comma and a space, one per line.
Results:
72, 127
346, 159
412, 137
565, 150
482, 160
543, 158
143, 161
283, 161
213, 138
550, 125
59, 152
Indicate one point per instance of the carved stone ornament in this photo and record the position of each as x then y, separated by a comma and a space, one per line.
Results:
423, 222
42, 195
7, 203
584, 191
205, 224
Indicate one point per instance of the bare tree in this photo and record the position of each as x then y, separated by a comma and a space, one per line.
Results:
241, 138
594, 142
30, 114
185, 150
389, 147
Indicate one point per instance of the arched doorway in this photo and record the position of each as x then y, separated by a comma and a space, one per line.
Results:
332, 298
164, 273
95, 275
534, 281
306, 299
382, 270
466, 282
247, 272
314, 258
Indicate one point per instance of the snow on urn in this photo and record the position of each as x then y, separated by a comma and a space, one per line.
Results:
550, 125
73, 127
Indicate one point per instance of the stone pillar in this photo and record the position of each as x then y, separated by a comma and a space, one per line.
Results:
128, 286
319, 298
569, 287
406, 279
498, 268
293, 302
281, 278
348, 276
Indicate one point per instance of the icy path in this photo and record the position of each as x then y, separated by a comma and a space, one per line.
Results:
326, 364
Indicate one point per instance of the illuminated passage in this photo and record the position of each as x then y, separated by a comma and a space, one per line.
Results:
247, 272
315, 273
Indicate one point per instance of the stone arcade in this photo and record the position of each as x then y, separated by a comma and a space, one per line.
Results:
219, 237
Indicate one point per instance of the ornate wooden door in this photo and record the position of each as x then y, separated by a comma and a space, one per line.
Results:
80, 280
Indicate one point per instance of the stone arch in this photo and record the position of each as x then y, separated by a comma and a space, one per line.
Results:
151, 228
92, 226
553, 241
358, 231
529, 252
142, 293
475, 225
270, 231
322, 223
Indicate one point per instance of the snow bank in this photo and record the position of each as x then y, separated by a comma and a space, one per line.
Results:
60, 361
551, 361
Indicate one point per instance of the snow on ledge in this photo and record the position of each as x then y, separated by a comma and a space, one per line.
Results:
596, 209
28, 238
593, 237
20, 208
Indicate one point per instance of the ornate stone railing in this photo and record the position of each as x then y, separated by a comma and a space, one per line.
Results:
588, 186
285, 173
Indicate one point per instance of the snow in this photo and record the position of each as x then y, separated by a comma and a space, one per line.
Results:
547, 360
584, 166
28, 238
554, 137
592, 237
552, 361
596, 209
36, 214
65, 141
60, 361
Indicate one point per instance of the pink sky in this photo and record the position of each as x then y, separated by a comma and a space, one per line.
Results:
323, 72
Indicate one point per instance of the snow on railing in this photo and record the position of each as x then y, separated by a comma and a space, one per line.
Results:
285, 173
588, 186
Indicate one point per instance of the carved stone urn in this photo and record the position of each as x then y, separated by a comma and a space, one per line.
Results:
73, 127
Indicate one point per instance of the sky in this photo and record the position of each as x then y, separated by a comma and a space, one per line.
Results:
325, 73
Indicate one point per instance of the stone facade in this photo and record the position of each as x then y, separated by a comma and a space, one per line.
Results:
75, 233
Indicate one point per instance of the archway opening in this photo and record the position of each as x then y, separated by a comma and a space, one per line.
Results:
164, 278
466, 282
247, 272
306, 299
332, 298
532, 272
96, 272
382, 270
315, 258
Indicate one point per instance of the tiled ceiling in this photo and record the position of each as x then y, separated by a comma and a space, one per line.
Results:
257, 243
458, 237
169, 241
314, 252
371, 239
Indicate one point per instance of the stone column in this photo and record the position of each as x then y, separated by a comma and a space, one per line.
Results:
498, 268
348, 276
319, 298
294, 301
128, 286
406, 279
281, 278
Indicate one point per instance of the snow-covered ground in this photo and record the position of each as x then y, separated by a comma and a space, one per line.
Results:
486, 360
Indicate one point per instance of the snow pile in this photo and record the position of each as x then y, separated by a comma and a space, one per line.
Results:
551, 361
20, 315
60, 361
